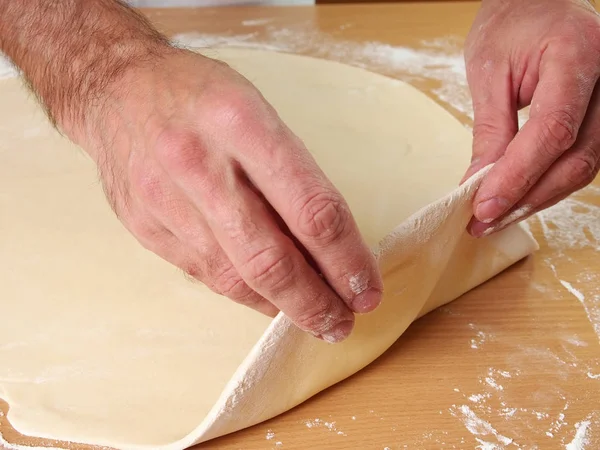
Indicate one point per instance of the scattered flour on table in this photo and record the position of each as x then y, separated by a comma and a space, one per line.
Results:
569, 287
478, 340
591, 300
479, 428
319, 423
572, 223
485, 413
256, 22
581, 438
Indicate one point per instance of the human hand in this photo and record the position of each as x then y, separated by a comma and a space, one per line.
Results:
545, 54
199, 167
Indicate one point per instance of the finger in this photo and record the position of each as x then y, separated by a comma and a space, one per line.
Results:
273, 266
266, 259
495, 112
558, 107
190, 244
216, 271
318, 216
575, 169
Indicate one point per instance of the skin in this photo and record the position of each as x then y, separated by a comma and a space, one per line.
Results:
545, 54
195, 163
202, 171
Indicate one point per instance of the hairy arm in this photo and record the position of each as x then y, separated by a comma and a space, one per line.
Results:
177, 137
70, 51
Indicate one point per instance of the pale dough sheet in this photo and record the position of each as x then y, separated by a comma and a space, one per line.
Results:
102, 342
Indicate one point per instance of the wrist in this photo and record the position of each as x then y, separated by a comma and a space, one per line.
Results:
91, 73
72, 51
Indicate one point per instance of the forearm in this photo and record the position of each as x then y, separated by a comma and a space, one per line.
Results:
71, 50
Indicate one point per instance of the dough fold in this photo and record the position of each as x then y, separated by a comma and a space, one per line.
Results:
426, 262
95, 331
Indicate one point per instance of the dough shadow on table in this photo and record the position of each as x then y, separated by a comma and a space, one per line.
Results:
423, 330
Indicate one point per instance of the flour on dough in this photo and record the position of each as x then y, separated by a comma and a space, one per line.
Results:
104, 343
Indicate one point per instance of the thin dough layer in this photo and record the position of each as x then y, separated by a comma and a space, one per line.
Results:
95, 330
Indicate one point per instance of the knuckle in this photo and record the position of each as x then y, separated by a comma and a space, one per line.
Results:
235, 109
270, 269
323, 217
490, 134
179, 150
193, 270
582, 168
229, 283
148, 185
559, 131
519, 183
150, 237
318, 318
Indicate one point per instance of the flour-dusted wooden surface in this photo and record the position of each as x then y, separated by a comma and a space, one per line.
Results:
513, 364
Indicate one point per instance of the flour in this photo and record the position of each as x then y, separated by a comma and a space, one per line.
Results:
572, 223
590, 302
514, 216
478, 427
256, 22
577, 294
479, 340
7, 70
478, 398
580, 440
492, 376
359, 283
319, 423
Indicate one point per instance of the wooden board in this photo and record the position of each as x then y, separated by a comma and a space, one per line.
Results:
515, 362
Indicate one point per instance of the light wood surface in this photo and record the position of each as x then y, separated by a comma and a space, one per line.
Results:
515, 362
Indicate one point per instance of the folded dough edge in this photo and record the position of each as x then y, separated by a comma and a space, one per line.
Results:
427, 261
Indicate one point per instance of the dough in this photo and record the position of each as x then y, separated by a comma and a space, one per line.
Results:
102, 342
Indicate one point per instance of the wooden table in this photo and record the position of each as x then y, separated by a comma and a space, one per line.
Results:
514, 363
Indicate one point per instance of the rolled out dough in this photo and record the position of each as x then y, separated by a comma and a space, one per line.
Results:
103, 343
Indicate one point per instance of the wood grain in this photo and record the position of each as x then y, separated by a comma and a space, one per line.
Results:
515, 362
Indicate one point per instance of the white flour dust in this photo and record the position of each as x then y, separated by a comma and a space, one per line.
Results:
590, 281
577, 294
478, 427
256, 22
581, 439
319, 423
572, 223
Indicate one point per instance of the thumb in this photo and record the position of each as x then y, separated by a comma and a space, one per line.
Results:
495, 115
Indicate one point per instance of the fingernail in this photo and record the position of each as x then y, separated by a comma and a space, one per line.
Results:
338, 333
477, 229
367, 301
481, 229
490, 210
